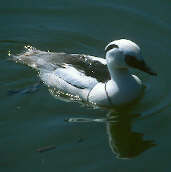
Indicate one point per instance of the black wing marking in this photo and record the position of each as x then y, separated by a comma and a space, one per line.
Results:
85, 64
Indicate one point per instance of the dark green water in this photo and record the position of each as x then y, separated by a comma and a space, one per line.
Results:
33, 120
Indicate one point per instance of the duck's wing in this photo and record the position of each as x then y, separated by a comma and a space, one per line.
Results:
79, 70
90, 66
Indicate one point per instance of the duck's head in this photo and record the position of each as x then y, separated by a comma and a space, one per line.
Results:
124, 54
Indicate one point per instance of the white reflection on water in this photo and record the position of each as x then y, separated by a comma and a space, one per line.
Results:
123, 141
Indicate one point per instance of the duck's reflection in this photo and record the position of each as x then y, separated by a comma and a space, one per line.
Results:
124, 142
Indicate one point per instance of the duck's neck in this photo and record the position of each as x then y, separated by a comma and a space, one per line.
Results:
123, 87
119, 74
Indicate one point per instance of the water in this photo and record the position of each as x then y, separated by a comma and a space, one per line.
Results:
34, 120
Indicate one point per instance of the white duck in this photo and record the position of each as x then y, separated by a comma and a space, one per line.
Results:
104, 82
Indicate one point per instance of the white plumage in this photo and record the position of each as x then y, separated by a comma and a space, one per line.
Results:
105, 82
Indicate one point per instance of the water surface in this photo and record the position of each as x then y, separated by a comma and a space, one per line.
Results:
30, 120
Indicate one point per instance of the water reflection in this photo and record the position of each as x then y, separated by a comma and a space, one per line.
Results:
124, 142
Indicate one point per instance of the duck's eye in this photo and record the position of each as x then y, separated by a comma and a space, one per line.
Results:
111, 47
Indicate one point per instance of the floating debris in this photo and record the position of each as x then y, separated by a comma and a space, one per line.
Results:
46, 148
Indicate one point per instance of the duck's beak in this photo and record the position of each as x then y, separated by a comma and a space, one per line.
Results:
139, 64
145, 68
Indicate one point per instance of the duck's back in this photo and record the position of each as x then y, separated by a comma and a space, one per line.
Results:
72, 73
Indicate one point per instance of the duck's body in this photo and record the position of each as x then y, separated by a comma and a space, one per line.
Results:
105, 82
117, 93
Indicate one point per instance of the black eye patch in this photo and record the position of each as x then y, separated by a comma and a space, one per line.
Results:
133, 62
139, 64
111, 47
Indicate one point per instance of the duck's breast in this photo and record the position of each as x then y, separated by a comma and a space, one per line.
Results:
125, 91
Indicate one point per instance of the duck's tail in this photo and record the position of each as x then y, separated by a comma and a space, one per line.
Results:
34, 58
